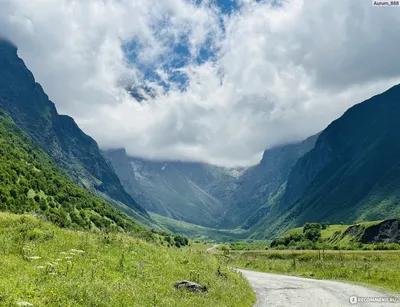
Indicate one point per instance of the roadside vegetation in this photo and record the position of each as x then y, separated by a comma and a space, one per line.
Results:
43, 265
373, 268
326, 251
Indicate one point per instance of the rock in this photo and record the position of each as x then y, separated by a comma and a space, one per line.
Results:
221, 274
387, 231
191, 286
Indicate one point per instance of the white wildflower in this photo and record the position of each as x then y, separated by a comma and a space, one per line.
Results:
33, 258
40, 267
68, 257
24, 304
63, 253
79, 251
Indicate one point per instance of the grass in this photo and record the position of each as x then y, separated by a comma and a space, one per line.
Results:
48, 266
378, 269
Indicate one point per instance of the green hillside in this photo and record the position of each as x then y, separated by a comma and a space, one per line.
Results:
367, 235
25, 101
31, 182
351, 175
44, 265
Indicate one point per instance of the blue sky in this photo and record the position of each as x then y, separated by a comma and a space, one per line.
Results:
179, 55
227, 6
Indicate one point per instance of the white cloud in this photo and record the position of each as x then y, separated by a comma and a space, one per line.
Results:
281, 73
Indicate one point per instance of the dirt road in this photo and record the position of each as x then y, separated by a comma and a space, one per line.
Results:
275, 290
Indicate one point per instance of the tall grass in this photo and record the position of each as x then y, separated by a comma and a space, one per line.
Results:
43, 265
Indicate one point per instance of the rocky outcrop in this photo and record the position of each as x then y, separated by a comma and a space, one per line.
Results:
386, 232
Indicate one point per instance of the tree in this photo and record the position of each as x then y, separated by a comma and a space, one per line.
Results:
313, 234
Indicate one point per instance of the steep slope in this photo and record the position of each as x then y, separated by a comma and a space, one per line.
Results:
78, 154
31, 182
191, 192
259, 184
208, 195
352, 173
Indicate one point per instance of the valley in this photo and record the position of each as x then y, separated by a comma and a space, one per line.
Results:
346, 173
197, 153
307, 181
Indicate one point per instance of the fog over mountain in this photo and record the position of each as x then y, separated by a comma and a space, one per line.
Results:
227, 79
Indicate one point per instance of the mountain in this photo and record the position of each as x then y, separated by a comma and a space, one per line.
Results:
192, 192
258, 185
208, 195
31, 182
58, 135
352, 173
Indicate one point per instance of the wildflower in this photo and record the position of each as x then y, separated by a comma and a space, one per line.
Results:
68, 257
63, 253
33, 258
24, 304
40, 267
79, 251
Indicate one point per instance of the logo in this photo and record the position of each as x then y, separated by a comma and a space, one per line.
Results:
353, 300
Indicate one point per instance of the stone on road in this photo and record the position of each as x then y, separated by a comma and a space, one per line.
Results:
275, 290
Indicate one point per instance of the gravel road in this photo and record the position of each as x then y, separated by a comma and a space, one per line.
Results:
275, 290
212, 248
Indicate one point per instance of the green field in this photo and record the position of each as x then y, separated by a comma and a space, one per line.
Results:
44, 265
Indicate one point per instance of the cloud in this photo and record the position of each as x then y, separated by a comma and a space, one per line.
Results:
272, 73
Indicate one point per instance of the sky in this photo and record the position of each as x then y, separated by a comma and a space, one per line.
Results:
223, 80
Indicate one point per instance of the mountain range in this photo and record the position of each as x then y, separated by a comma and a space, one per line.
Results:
348, 172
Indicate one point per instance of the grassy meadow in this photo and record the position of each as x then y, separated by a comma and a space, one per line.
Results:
43, 265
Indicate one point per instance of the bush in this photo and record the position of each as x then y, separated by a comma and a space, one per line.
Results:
38, 235
313, 234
